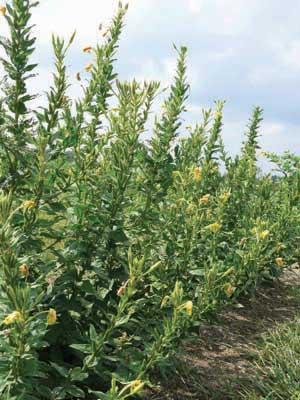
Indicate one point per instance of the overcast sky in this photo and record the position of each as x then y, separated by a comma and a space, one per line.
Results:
246, 52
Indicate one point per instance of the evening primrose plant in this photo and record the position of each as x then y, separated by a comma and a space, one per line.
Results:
114, 248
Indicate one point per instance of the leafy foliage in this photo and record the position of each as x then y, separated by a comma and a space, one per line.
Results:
113, 248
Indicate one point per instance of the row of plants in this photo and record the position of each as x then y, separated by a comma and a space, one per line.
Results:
113, 247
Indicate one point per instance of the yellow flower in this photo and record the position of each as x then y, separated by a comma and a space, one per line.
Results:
175, 174
24, 270
254, 230
279, 261
89, 67
264, 234
216, 168
29, 204
204, 199
264, 154
215, 227
87, 49
180, 201
136, 383
190, 208
229, 289
189, 308
2, 10
136, 386
13, 317
197, 174
51, 317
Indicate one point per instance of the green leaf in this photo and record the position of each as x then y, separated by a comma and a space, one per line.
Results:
197, 272
76, 374
75, 391
61, 370
83, 348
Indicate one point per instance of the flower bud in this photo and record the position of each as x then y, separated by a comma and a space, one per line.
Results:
121, 291
280, 261
24, 270
264, 234
29, 204
89, 67
204, 199
189, 308
15, 316
3, 10
197, 174
87, 49
51, 317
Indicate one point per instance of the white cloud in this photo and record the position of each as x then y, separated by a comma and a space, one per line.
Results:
64, 16
195, 6
272, 129
229, 17
291, 54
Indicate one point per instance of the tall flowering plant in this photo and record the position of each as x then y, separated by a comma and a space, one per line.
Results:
112, 247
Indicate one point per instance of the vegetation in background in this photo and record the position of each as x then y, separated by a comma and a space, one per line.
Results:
113, 248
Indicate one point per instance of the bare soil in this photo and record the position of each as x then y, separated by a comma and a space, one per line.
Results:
214, 366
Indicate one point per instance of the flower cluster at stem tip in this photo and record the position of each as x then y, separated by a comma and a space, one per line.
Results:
15, 316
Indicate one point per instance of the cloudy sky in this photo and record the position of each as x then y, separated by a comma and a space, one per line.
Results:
245, 52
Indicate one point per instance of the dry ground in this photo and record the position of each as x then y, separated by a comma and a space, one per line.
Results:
214, 366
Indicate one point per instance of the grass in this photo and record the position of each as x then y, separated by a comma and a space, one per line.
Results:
278, 365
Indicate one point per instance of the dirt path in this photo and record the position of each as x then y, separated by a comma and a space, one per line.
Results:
211, 368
